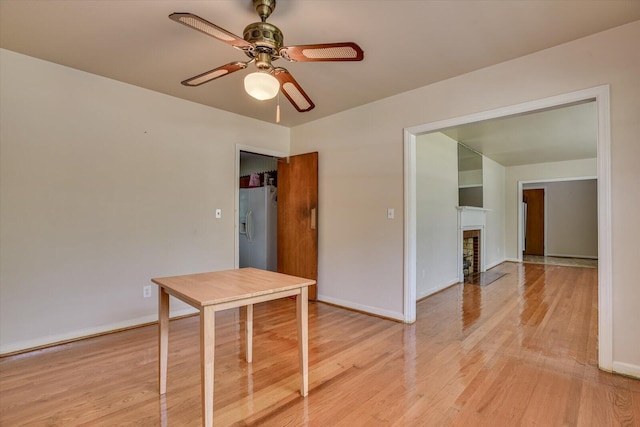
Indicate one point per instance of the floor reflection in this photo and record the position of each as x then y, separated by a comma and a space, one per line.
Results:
471, 305
534, 307
163, 411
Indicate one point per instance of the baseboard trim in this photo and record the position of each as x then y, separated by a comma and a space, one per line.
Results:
19, 347
437, 289
573, 256
494, 264
392, 315
626, 369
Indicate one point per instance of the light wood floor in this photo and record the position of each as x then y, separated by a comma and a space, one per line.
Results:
518, 352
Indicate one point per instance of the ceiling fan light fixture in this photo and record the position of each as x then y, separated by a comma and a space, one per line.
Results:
261, 86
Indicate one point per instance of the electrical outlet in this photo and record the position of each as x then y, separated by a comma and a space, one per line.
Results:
146, 291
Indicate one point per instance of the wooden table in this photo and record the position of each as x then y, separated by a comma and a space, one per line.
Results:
221, 290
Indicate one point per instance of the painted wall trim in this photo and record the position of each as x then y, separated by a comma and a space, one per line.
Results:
572, 256
437, 289
87, 332
605, 284
494, 264
626, 369
410, 227
605, 256
361, 307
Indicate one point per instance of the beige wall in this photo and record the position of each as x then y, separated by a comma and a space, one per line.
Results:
92, 206
104, 185
361, 251
573, 218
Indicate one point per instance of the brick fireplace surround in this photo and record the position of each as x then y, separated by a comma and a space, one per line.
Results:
471, 251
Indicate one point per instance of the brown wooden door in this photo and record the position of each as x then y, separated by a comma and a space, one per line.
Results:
534, 227
297, 217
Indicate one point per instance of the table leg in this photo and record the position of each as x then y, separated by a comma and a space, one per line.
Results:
249, 332
302, 313
207, 348
163, 337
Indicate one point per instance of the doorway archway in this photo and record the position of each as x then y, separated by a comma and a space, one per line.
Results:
600, 95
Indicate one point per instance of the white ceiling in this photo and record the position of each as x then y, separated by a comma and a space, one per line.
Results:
407, 43
567, 133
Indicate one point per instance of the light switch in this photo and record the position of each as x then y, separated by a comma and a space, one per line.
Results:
218, 213
390, 213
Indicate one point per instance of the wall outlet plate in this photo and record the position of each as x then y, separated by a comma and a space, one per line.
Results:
146, 291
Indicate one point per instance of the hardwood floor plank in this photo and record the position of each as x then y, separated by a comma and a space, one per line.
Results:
521, 351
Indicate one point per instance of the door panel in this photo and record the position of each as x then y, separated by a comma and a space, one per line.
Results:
297, 217
534, 228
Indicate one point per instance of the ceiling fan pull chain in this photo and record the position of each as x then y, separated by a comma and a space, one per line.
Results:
278, 109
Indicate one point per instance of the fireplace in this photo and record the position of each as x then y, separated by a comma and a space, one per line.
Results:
470, 252
471, 241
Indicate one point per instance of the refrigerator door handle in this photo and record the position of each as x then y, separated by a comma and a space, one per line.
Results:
243, 225
248, 224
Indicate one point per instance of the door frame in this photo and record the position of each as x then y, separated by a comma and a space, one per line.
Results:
236, 189
605, 280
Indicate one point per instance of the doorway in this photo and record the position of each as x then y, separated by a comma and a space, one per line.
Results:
258, 211
570, 221
254, 159
600, 95
293, 187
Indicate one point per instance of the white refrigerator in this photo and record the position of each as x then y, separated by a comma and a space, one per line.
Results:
258, 227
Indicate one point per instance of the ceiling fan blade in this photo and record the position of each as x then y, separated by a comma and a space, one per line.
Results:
347, 51
292, 90
206, 27
215, 73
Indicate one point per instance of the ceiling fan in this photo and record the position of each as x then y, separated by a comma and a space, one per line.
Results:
263, 44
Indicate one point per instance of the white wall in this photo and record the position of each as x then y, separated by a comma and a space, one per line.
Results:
361, 251
537, 172
103, 186
571, 222
493, 189
437, 217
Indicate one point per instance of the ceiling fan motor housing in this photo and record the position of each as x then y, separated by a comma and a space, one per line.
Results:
267, 39
264, 34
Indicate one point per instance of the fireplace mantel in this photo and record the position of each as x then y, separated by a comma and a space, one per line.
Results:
469, 216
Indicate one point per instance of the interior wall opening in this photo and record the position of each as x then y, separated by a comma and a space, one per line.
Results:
256, 207
598, 97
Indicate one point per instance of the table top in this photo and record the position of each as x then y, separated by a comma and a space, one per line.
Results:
218, 287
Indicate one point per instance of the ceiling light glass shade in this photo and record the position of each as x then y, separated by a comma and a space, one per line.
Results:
261, 85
